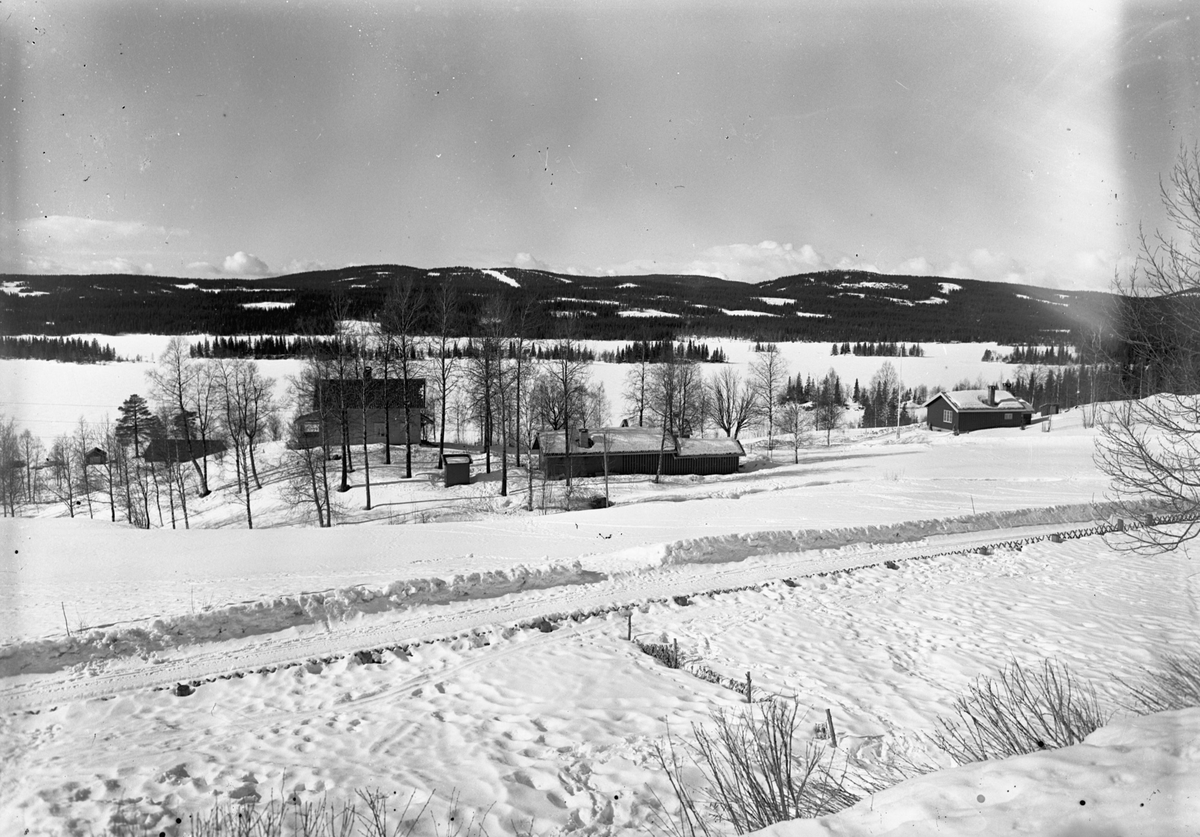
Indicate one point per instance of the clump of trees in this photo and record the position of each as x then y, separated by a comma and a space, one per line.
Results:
659, 351
62, 349
881, 349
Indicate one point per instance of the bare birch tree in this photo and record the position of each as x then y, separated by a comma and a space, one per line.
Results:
732, 401
182, 386
1149, 443
768, 372
445, 312
398, 324
306, 464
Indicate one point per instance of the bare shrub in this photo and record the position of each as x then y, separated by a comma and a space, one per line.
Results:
753, 773
374, 813
1020, 711
1175, 684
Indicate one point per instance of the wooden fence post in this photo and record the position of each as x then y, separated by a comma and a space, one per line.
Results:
749, 699
675, 653
832, 731
629, 629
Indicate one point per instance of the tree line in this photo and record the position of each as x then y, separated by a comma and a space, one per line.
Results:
661, 350
1059, 354
880, 349
62, 349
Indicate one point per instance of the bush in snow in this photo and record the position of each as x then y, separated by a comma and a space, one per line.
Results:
749, 771
1020, 711
1174, 685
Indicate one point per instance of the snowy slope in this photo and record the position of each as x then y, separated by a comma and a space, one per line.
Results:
469, 688
1135, 776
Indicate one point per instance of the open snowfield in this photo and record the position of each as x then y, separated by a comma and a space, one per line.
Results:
547, 724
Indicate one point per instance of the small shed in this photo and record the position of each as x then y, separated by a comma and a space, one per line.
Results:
95, 456
457, 469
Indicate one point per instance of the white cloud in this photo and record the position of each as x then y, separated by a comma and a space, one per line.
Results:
916, 266
72, 230
202, 267
847, 263
48, 266
73, 244
1091, 270
525, 261
245, 264
738, 262
757, 262
303, 266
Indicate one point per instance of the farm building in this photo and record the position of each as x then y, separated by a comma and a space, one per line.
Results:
355, 402
635, 450
178, 450
976, 409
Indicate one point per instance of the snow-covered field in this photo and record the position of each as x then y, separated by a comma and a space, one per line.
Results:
499, 671
50, 398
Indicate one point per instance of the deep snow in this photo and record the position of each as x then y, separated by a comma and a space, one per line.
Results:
469, 690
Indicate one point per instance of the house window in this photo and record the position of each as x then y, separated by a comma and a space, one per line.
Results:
946, 417
1008, 416
311, 428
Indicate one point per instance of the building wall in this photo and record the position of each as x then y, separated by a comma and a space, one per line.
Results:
936, 416
591, 464
376, 431
983, 420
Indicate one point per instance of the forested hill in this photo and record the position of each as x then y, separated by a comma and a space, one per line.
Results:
831, 305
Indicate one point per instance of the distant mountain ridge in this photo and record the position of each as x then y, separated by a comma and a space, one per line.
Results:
830, 305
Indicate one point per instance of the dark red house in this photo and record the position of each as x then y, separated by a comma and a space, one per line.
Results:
367, 401
635, 450
964, 411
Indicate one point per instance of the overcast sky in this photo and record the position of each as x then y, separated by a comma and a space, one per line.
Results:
993, 140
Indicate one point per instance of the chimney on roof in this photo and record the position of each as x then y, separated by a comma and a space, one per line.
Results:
585, 438
991, 396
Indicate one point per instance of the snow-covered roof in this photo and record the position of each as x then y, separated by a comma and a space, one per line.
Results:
710, 447
620, 440
967, 400
638, 440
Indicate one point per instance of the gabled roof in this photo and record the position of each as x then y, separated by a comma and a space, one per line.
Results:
639, 440
620, 440
976, 400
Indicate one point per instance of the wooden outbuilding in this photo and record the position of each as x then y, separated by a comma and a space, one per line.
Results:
964, 411
457, 469
95, 456
180, 450
634, 450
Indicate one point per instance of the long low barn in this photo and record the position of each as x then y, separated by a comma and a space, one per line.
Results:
635, 450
